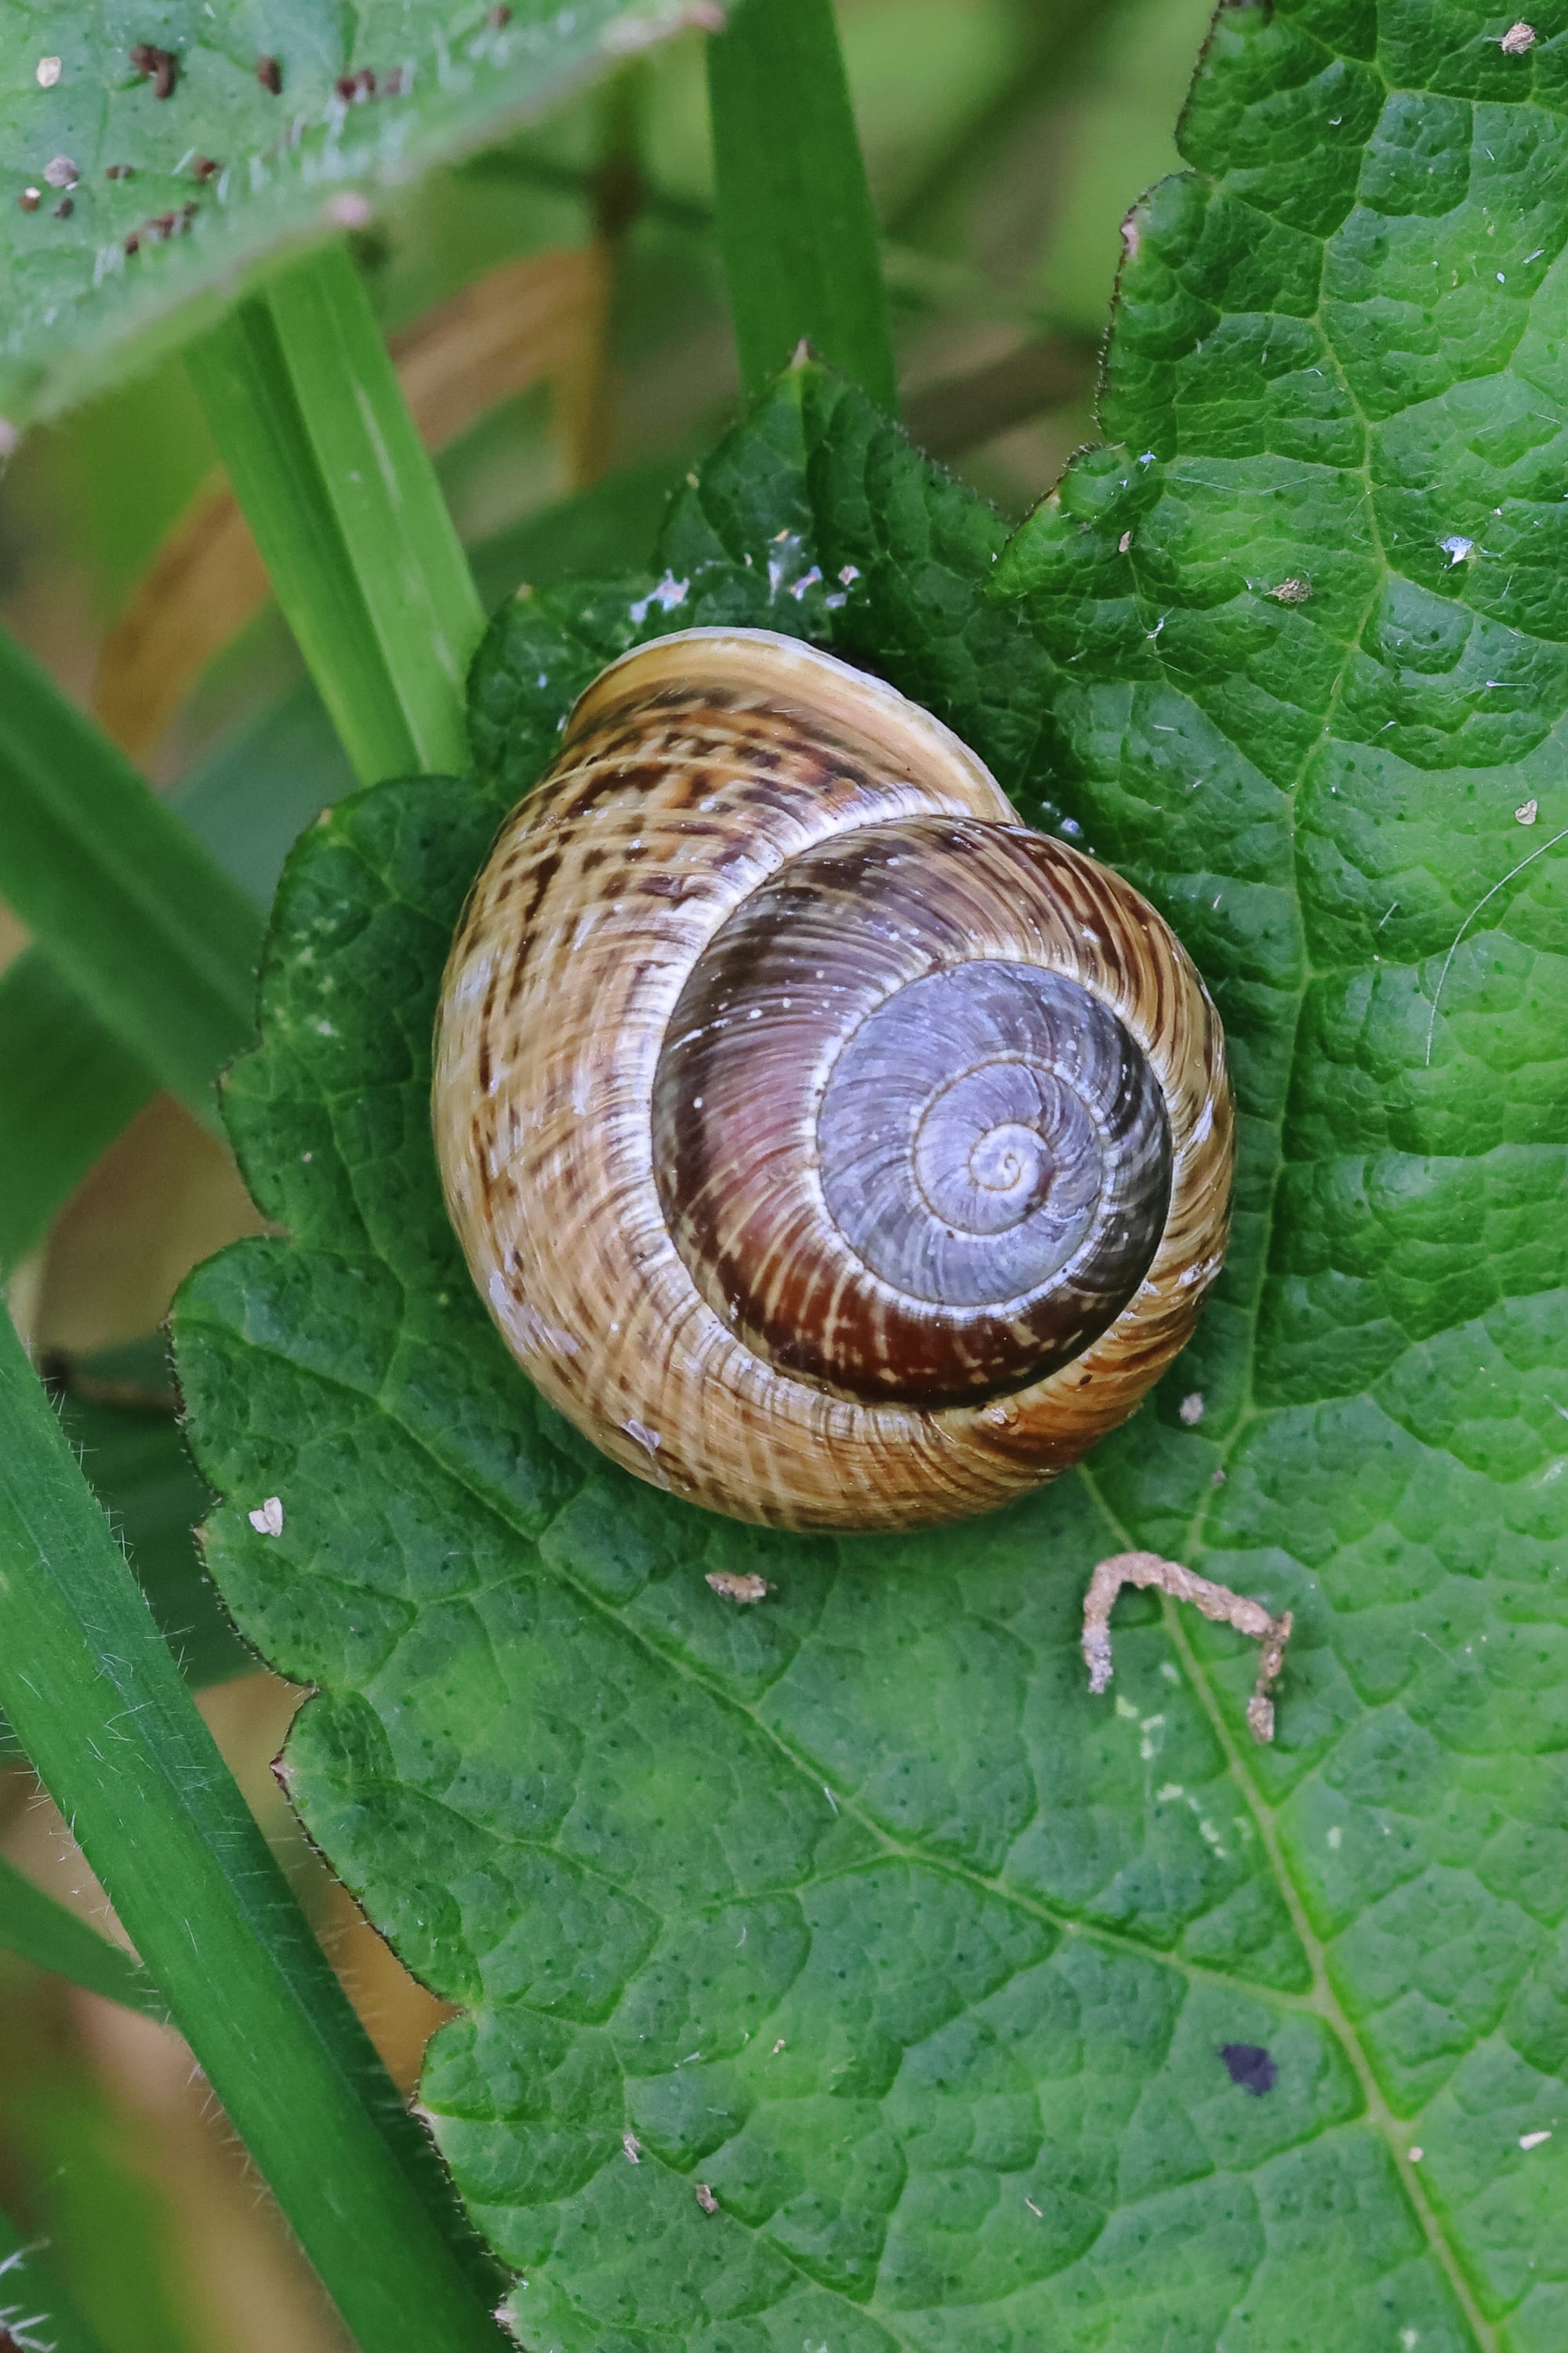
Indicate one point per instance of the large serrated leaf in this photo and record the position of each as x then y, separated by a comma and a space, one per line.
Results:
188, 138
855, 1908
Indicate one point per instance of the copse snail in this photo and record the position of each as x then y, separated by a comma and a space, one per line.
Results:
834, 1150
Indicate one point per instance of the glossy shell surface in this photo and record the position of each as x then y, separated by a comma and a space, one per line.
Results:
765, 954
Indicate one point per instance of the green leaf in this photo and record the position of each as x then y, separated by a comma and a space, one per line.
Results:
365, 100
344, 503
150, 933
33, 1925
855, 1907
98, 1703
799, 238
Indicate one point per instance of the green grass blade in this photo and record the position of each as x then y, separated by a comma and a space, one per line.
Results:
799, 238
34, 2307
67, 1084
69, 1087
43, 1932
346, 510
98, 1703
150, 933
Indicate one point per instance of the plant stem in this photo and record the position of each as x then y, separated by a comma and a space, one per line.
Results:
796, 225
97, 1701
344, 505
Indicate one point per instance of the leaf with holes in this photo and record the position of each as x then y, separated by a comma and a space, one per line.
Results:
836, 1972
151, 150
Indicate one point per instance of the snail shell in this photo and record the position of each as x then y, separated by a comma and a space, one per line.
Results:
829, 1147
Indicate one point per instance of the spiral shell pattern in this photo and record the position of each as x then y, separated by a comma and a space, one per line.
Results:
832, 1149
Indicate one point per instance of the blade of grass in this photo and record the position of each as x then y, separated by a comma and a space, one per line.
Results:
43, 1932
152, 935
96, 1701
796, 226
118, 1409
69, 1087
35, 2311
344, 503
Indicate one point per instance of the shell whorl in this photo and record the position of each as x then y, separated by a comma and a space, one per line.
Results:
831, 1148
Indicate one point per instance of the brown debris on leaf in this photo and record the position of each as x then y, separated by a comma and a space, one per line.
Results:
1216, 1601
160, 67
735, 1587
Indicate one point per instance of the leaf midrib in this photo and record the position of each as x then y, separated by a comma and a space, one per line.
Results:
1324, 1998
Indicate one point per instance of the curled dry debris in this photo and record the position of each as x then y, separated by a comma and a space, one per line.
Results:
1291, 592
710, 2204
735, 1587
1216, 1601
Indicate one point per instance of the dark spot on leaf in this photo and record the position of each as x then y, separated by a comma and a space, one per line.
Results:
161, 67
1251, 2067
269, 74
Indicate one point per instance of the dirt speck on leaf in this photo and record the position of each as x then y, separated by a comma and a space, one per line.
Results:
160, 67
733, 1585
1251, 2067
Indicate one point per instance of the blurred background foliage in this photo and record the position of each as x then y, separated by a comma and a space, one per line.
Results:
556, 307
